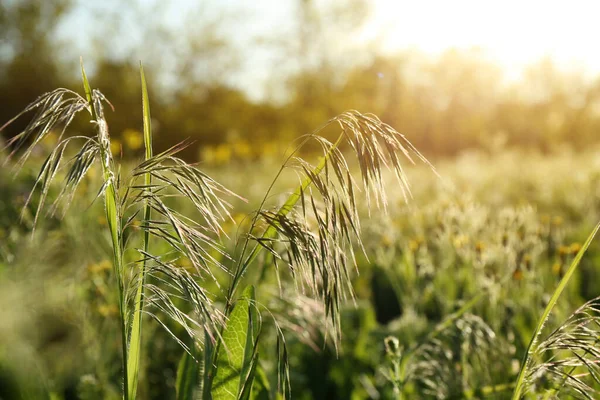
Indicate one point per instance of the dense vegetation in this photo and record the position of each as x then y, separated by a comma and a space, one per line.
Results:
448, 104
449, 288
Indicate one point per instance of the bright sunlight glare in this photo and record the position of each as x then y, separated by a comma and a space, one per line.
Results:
513, 33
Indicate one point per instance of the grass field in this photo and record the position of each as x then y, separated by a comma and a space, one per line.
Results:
489, 239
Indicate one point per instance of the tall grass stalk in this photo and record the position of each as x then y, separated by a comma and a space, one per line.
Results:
313, 234
135, 340
113, 215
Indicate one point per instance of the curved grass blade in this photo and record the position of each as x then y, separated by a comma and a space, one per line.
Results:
521, 382
187, 375
135, 339
113, 215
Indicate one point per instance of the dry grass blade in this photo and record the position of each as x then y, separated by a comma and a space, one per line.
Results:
186, 181
471, 344
53, 109
178, 284
317, 241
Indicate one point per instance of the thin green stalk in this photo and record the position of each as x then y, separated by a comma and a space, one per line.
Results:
440, 327
270, 232
283, 210
520, 384
135, 339
113, 219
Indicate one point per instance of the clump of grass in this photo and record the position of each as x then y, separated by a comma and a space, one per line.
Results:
313, 234
577, 338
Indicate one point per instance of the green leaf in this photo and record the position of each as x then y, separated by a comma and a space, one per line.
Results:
135, 339
520, 385
187, 376
261, 389
86, 86
236, 355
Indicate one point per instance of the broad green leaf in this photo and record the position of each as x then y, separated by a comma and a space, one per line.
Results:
236, 355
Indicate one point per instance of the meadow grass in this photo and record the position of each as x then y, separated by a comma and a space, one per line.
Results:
456, 282
318, 256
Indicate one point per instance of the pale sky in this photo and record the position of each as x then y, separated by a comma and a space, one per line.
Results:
513, 33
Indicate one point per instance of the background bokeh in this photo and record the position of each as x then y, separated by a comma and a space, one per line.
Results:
242, 80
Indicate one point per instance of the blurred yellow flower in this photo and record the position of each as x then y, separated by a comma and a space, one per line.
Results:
557, 268
222, 154
100, 267
107, 310
557, 221
518, 274
460, 241
574, 248
133, 139
413, 245
242, 149
386, 240
479, 246
115, 147
563, 251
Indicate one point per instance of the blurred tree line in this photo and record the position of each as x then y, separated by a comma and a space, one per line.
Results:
457, 101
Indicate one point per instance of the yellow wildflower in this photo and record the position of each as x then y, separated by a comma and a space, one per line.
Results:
518, 274
101, 220
413, 245
133, 139
222, 154
386, 240
100, 267
557, 268
557, 221
460, 241
115, 147
479, 246
242, 149
574, 248
107, 310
